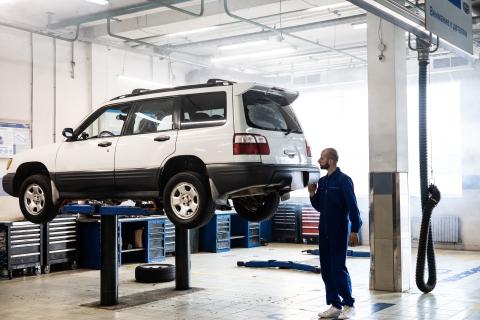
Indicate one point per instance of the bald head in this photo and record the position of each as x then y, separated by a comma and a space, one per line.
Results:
330, 154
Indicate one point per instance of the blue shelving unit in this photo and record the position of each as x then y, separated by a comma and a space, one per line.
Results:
245, 234
215, 236
153, 249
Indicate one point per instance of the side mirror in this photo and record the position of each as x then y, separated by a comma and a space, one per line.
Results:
67, 133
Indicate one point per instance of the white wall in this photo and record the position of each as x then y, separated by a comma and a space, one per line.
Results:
95, 81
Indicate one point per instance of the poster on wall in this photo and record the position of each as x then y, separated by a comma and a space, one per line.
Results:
14, 138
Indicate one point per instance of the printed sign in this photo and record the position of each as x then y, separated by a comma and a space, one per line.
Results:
14, 138
451, 20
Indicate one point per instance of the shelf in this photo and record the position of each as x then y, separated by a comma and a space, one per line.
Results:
133, 250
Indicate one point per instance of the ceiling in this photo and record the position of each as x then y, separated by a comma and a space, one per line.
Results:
326, 33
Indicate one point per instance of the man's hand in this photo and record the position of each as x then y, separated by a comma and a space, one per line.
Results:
311, 189
353, 239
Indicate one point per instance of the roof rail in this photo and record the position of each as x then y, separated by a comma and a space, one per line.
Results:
220, 82
210, 83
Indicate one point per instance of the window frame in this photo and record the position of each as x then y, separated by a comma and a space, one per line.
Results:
95, 115
130, 122
203, 124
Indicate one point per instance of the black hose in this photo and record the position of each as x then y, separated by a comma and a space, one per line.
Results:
430, 196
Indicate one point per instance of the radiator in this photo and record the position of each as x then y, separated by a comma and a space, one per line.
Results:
445, 229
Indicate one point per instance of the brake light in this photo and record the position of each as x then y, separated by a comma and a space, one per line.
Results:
309, 150
246, 143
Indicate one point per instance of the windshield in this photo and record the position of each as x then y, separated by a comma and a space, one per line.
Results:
267, 111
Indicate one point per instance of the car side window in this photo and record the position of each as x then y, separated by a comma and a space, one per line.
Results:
153, 116
108, 123
203, 109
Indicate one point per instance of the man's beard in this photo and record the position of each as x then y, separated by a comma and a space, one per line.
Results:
325, 166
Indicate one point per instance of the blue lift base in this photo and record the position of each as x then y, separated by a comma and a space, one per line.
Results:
350, 253
279, 264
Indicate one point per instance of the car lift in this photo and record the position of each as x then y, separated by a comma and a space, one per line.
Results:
109, 251
279, 264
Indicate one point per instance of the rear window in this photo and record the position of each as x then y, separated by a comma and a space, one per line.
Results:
269, 112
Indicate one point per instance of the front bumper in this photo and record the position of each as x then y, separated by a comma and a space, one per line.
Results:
235, 177
7, 183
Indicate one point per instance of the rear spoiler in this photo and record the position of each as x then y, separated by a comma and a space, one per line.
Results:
274, 93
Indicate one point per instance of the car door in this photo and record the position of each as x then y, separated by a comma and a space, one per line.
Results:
85, 165
149, 139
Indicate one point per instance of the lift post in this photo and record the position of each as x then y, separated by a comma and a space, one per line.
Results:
110, 248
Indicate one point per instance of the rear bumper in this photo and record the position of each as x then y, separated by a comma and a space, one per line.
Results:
7, 183
236, 177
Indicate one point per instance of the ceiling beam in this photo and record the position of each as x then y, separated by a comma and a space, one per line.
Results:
110, 13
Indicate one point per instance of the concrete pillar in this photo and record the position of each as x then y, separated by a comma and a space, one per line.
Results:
390, 241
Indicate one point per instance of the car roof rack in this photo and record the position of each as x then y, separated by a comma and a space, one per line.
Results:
209, 83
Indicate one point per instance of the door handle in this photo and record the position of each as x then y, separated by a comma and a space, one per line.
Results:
290, 154
105, 144
161, 138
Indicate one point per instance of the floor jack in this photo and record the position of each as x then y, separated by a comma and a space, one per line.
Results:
279, 264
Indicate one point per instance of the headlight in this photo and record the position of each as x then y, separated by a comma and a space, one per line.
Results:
9, 163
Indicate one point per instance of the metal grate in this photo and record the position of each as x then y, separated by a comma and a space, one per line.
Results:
445, 229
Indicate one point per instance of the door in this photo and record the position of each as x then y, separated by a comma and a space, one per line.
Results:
85, 165
149, 139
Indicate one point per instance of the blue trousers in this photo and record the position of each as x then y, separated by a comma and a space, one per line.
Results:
333, 256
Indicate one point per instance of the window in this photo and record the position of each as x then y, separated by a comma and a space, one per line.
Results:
203, 107
265, 112
153, 116
108, 123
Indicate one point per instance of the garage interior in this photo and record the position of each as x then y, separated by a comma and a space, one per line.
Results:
358, 89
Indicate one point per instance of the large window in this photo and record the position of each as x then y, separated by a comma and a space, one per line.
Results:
265, 113
203, 107
108, 123
153, 116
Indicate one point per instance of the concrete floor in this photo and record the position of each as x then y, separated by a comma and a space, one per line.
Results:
230, 292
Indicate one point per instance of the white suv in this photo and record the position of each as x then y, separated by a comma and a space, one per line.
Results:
187, 149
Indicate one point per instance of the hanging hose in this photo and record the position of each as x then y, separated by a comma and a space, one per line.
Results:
430, 196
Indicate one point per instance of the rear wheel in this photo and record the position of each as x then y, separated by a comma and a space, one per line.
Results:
187, 200
35, 199
257, 208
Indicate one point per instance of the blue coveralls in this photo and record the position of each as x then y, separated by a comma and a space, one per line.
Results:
336, 202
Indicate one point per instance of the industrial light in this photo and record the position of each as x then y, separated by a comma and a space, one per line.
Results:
243, 45
188, 32
100, 2
145, 82
359, 25
253, 55
330, 6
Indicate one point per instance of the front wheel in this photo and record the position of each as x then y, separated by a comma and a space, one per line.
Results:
35, 199
257, 208
187, 200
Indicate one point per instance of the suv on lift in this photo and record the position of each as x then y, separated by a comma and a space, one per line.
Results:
186, 148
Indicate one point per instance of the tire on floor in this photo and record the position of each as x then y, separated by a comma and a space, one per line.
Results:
155, 272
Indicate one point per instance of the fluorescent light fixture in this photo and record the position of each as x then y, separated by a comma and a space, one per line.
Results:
330, 6
188, 32
252, 55
243, 45
359, 25
144, 82
100, 2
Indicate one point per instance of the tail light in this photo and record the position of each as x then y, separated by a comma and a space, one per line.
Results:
247, 143
309, 150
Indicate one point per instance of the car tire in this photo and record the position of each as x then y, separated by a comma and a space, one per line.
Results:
187, 200
257, 208
35, 199
155, 272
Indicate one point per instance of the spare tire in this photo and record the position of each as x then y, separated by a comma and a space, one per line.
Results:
155, 272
